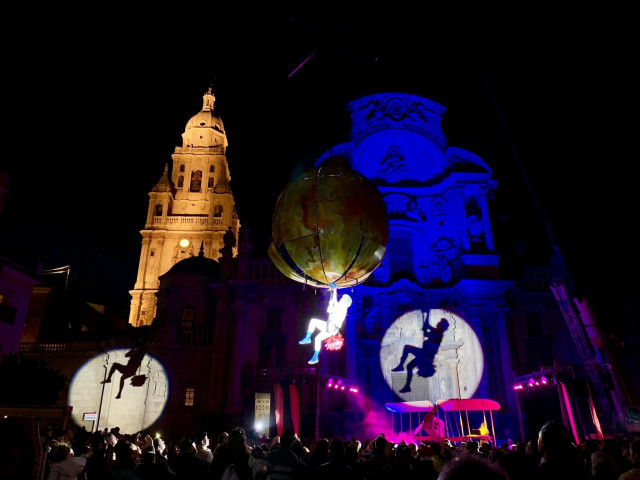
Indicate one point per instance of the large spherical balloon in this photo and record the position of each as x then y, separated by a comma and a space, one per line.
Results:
329, 227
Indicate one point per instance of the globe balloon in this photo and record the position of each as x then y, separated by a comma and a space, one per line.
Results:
329, 227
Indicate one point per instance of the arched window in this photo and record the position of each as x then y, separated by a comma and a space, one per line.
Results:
211, 169
217, 210
210, 183
196, 180
159, 210
180, 181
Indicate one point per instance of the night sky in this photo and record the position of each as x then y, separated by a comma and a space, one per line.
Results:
95, 107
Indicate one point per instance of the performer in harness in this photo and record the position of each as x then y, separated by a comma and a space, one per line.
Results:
337, 311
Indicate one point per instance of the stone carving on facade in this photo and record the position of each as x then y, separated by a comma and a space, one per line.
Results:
438, 208
396, 109
474, 220
444, 252
159, 386
404, 207
414, 211
396, 204
392, 166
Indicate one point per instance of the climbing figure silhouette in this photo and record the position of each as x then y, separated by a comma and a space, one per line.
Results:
423, 357
135, 355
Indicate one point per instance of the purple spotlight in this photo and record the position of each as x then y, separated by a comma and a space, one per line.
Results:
355, 390
329, 384
543, 380
343, 387
336, 386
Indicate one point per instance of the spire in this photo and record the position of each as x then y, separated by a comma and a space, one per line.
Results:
201, 252
164, 185
208, 99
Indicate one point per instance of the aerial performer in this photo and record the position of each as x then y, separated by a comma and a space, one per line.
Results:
330, 231
337, 311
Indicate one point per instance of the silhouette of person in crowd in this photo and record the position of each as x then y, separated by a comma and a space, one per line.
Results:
423, 357
135, 355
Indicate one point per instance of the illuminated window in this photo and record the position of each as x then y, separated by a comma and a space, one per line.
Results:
187, 317
189, 396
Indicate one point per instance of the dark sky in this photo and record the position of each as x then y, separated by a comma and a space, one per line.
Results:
96, 103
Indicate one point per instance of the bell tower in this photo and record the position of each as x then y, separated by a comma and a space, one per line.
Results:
190, 210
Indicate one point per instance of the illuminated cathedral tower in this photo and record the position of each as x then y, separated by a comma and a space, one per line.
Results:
190, 210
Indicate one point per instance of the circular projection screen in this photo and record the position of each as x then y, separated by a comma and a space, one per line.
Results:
431, 355
123, 387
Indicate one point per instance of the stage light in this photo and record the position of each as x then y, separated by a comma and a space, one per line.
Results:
258, 426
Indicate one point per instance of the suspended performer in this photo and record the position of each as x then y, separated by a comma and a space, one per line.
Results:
337, 311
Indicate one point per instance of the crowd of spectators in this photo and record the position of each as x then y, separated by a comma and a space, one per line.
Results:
112, 455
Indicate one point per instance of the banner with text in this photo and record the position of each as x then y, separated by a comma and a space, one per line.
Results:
262, 414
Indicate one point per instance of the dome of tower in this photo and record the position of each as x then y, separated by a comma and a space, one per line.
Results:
205, 128
205, 119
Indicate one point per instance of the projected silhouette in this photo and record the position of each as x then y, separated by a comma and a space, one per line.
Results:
136, 354
423, 357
